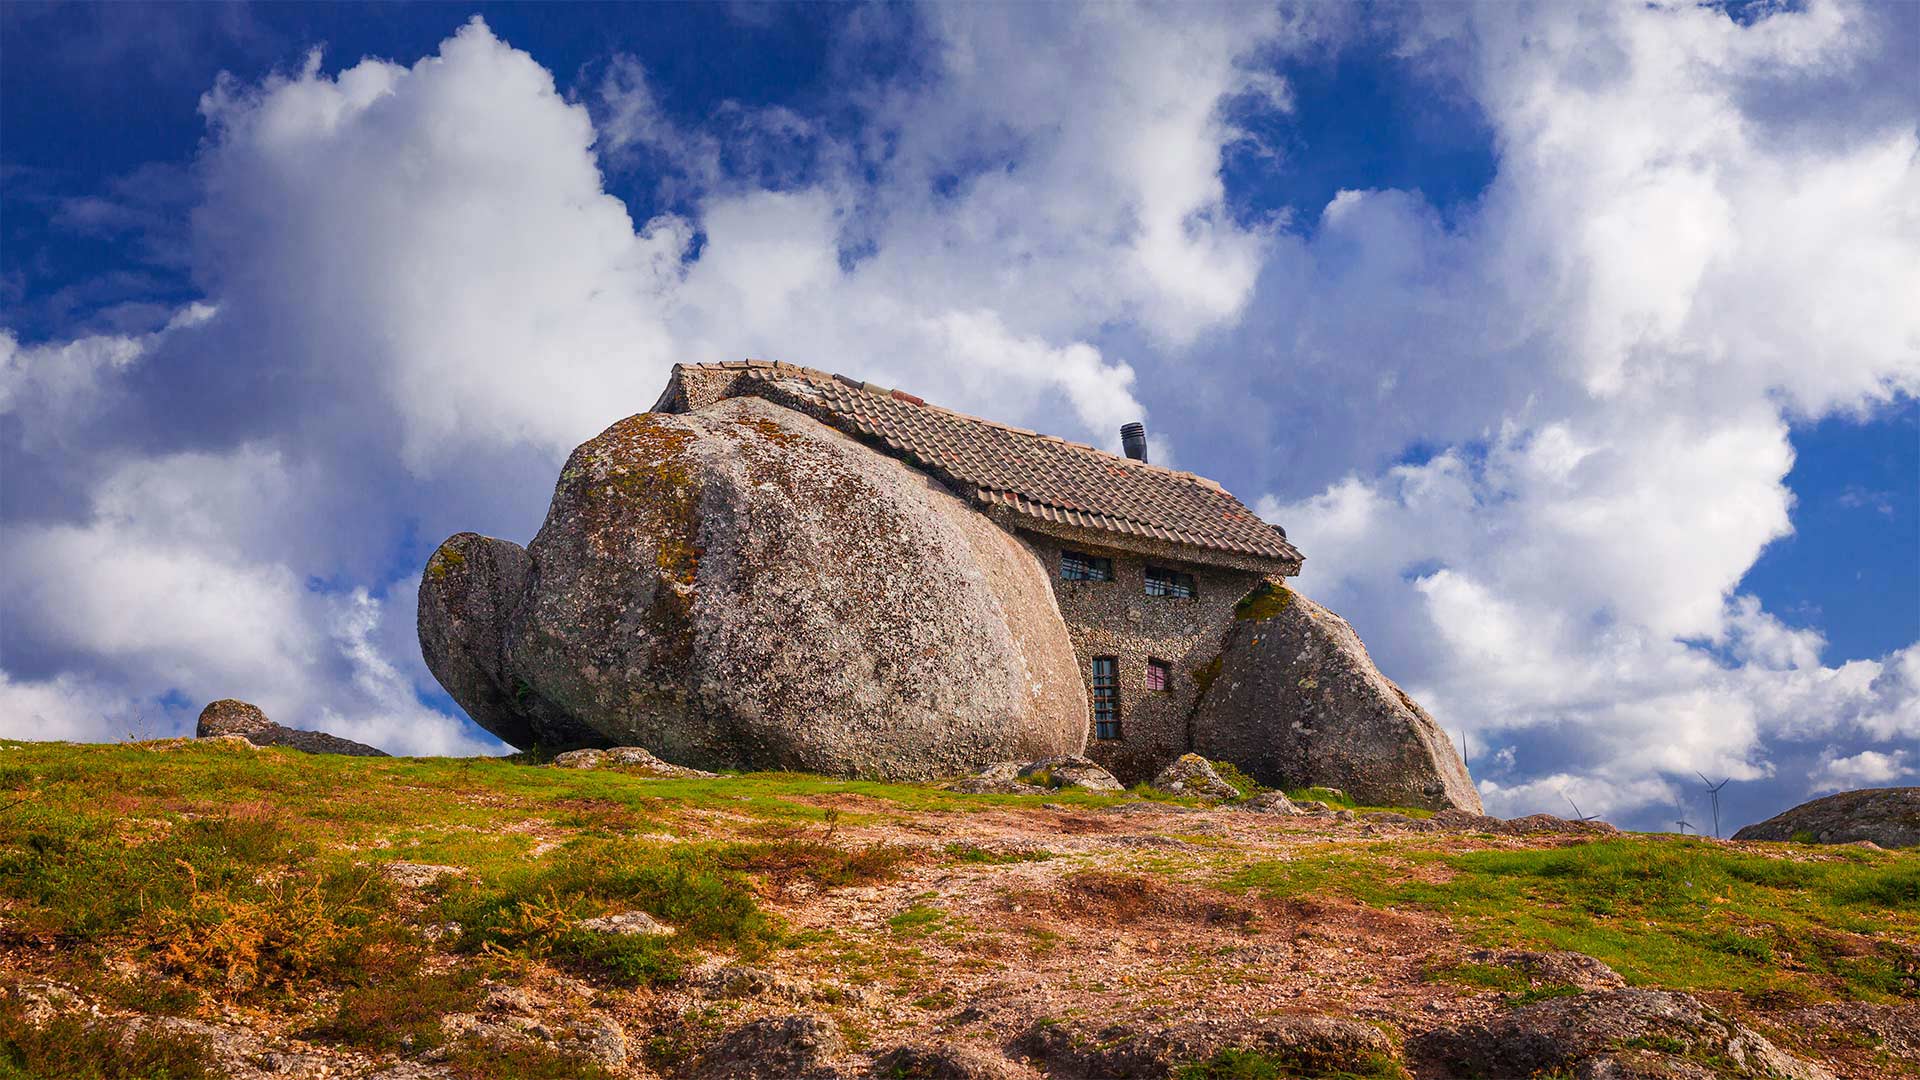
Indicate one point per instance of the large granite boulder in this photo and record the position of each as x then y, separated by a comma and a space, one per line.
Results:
230, 716
744, 587
1889, 817
1296, 702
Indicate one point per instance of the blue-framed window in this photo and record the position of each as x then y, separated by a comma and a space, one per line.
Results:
1106, 698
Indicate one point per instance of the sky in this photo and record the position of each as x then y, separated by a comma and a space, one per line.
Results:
1576, 345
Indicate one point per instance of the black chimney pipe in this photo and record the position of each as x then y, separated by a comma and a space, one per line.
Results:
1133, 439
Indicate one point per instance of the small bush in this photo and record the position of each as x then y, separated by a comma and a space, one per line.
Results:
1231, 773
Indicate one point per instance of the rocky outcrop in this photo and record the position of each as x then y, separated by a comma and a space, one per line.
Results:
1191, 774
635, 759
1297, 702
1612, 1034
232, 717
1889, 817
743, 587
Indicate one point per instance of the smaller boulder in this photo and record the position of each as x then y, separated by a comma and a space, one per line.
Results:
637, 759
232, 717
1069, 770
1889, 817
1191, 774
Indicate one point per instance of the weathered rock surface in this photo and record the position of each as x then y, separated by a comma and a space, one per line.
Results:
792, 1047
743, 587
1308, 1045
231, 717
1889, 817
1068, 770
627, 759
1603, 1035
1297, 702
1191, 774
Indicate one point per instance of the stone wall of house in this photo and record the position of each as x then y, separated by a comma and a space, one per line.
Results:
1118, 619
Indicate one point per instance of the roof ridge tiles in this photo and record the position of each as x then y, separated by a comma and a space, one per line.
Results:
1055, 479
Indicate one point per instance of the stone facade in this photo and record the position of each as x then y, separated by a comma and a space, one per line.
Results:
1118, 619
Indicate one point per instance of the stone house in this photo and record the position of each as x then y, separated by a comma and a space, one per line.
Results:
1148, 564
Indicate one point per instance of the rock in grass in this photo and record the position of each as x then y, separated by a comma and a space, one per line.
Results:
627, 922
1270, 802
229, 716
1297, 1045
1069, 771
418, 875
1561, 968
1298, 702
1889, 817
795, 1047
1624, 1034
742, 586
1191, 774
627, 759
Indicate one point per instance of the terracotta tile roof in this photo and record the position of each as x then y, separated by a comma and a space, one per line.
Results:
1029, 474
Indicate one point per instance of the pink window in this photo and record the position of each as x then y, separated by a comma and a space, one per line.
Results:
1159, 677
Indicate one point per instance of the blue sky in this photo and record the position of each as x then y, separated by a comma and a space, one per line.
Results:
1576, 345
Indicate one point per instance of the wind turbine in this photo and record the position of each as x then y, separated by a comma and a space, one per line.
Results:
1682, 821
1577, 815
1713, 792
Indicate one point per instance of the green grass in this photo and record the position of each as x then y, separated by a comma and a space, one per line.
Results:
1664, 911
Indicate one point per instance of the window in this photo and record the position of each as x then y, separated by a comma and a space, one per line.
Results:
1079, 566
1159, 675
1106, 699
1169, 583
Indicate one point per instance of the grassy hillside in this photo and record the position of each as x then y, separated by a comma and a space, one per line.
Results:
180, 910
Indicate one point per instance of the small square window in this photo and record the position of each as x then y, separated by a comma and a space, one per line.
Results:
1169, 583
1106, 698
1159, 675
1079, 566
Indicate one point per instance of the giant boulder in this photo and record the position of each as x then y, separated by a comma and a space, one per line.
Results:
1297, 702
744, 587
